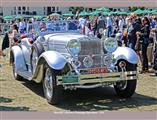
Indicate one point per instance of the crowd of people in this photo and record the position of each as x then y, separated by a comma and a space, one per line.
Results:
136, 32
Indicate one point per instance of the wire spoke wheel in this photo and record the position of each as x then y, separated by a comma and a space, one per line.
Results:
48, 84
52, 92
126, 88
122, 85
34, 60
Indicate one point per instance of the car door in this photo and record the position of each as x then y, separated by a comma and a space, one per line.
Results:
26, 49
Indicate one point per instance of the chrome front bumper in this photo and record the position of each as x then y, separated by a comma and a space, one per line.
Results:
96, 78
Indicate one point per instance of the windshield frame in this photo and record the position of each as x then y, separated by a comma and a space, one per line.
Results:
54, 26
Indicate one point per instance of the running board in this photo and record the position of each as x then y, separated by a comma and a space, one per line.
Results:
25, 74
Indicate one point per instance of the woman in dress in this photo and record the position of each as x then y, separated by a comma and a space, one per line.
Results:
13, 34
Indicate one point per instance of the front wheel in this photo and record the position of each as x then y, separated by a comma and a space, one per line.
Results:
52, 92
126, 89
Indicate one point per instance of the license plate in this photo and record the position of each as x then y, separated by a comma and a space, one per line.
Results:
97, 70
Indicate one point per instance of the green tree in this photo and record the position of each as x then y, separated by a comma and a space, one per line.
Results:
134, 8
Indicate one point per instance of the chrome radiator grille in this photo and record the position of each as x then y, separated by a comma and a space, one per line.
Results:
94, 49
91, 47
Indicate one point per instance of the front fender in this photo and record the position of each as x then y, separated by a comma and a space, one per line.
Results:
127, 54
54, 59
17, 57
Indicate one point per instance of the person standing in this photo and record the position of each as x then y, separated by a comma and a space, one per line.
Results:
144, 37
155, 47
109, 25
100, 26
94, 25
116, 21
133, 28
82, 22
13, 34
88, 29
121, 24
25, 24
21, 26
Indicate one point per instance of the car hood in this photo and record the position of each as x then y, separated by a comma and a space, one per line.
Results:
64, 37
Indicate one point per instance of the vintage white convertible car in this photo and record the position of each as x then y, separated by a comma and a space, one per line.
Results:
62, 58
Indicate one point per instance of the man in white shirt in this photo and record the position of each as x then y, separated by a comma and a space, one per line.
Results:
21, 26
82, 22
121, 24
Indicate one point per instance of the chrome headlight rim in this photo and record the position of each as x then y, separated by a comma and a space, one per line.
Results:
74, 47
110, 45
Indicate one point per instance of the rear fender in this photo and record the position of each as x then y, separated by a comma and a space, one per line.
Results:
16, 57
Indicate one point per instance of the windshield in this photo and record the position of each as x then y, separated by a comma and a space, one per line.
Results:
53, 26
32, 27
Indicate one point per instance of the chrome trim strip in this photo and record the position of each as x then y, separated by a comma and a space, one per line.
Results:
84, 86
102, 78
108, 80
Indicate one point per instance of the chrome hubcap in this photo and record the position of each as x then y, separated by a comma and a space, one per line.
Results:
122, 85
48, 84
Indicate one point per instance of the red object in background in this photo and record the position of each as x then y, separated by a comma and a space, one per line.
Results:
125, 33
23, 36
16, 39
30, 41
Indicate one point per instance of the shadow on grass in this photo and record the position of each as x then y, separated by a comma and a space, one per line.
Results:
103, 99
33, 86
95, 99
5, 100
10, 108
5, 108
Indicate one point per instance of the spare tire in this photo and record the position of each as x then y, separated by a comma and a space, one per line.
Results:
37, 50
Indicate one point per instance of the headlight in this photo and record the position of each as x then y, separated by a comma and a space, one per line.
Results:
74, 47
110, 44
